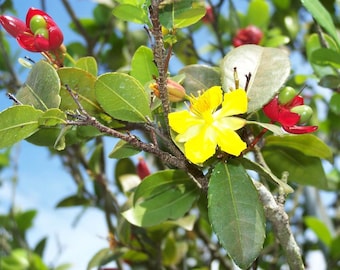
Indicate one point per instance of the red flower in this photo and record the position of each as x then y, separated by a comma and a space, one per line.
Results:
209, 15
39, 34
249, 35
282, 114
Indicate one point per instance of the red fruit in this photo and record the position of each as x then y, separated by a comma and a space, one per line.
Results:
142, 168
249, 35
209, 15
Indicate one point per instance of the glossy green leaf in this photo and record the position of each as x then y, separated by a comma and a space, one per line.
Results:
308, 144
320, 229
236, 213
88, 64
330, 81
265, 173
81, 83
123, 150
52, 117
258, 13
326, 57
143, 67
18, 123
269, 69
131, 13
161, 196
302, 169
181, 14
41, 89
199, 77
123, 97
323, 17
277, 130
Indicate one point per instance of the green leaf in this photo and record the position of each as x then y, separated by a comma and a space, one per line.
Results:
330, 81
322, 16
82, 83
269, 69
123, 150
326, 57
320, 229
258, 13
277, 130
236, 213
18, 123
302, 169
143, 67
74, 200
24, 220
131, 13
41, 89
100, 258
181, 14
334, 103
52, 117
161, 196
123, 97
265, 173
308, 144
88, 64
313, 44
199, 77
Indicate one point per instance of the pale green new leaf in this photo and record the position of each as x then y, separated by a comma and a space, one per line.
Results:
88, 64
236, 213
268, 67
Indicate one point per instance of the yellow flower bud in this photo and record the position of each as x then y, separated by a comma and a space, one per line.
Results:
176, 92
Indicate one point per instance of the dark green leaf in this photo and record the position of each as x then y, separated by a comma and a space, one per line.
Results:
74, 200
330, 81
161, 196
334, 103
308, 144
41, 89
123, 97
25, 219
17, 123
302, 169
199, 77
236, 213
326, 57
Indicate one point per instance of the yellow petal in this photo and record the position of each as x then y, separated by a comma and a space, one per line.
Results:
201, 147
234, 102
230, 142
208, 101
182, 120
232, 123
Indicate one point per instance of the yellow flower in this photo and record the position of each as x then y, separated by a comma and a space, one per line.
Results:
208, 125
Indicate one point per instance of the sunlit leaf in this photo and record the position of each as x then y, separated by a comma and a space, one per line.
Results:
41, 88
88, 64
236, 213
52, 117
123, 150
320, 229
18, 123
323, 17
258, 13
268, 67
143, 67
131, 13
161, 196
123, 97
